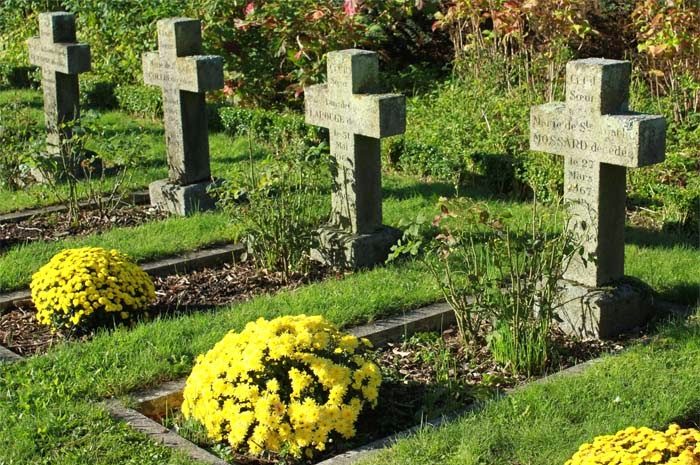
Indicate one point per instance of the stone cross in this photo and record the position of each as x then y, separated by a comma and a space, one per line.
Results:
61, 60
185, 76
599, 138
357, 118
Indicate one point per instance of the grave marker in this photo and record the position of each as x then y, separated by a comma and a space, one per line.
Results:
185, 76
358, 118
599, 138
61, 60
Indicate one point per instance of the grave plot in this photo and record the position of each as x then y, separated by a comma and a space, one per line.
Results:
426, 377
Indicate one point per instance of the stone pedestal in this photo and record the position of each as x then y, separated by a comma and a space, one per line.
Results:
354, 251
181, 200
604, 312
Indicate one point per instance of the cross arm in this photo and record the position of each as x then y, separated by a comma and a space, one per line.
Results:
199, 74
62, 58
372, 115
629, 140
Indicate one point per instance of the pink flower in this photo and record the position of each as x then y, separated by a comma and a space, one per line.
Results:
249, 8
350, 7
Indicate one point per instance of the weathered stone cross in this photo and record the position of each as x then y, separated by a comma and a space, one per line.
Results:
357, 118
61, 60
599, 138
185, 76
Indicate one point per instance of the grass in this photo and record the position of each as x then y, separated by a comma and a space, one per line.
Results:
651, 384
47, 406
144, 137
145, 242
668, 262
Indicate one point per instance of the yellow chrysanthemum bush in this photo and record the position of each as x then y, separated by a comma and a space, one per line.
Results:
642, 446
85, 287
284, 386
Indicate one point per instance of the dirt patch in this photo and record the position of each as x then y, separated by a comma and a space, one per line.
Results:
56, 226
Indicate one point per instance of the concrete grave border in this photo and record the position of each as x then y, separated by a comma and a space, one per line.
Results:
432, 317
211, 256
133, 198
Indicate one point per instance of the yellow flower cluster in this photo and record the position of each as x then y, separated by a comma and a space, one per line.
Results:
80, 287
283, 386
642, 446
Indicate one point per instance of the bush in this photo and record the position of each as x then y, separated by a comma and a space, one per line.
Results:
279, 202
285, 386
140, 100
496, 273
97, 93
271, 47
473, 127
265, 124
82, 288
642, 446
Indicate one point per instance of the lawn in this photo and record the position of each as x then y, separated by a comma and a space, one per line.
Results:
144, 137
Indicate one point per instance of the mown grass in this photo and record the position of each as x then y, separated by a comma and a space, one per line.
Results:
146, 137
47, 404
146, 242
651, 384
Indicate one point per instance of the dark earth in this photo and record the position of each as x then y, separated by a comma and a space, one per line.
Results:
57, 226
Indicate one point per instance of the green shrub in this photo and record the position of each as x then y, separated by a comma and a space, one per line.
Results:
279, 202
271, 50
544, 174
266, 124
497, 274
140, 100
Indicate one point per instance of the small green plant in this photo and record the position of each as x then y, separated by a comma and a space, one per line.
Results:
501, 279
280, 203
84, 172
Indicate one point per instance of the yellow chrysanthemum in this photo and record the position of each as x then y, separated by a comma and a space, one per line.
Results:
78, 287
642, 446
288, 384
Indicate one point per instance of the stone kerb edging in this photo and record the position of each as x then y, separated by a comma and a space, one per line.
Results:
204, 258
134, 198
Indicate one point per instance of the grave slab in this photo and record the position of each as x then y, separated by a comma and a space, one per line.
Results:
185, 75
61, 60
599, 139
358, 117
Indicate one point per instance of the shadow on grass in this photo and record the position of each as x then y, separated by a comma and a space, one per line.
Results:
659, 239
684, 293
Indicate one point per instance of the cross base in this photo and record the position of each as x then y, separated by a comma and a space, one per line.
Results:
340, 249
52, 168
604, 312
181, 200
